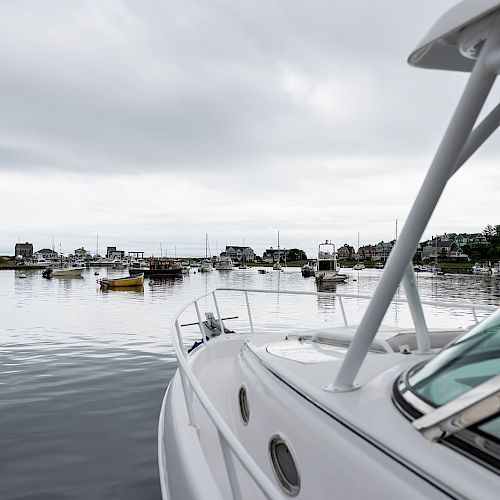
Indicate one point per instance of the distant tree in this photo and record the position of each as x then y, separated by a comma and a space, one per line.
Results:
489, 231
295, 254
497, 230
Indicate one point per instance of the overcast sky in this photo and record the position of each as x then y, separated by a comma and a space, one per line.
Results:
156, 122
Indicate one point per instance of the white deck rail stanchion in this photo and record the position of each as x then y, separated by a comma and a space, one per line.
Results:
249, 312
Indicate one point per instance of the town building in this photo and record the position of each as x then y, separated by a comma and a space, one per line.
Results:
46, 253
473, 239
367, 252
346, 252
382, 250
113, 253
81, 253
274, 255
25, 250
240, 254
443, 247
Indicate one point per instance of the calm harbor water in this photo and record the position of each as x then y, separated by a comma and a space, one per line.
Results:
83, 372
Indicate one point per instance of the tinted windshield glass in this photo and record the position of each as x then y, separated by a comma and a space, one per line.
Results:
325, 265
469, 361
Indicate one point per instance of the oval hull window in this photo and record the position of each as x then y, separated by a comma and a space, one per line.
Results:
244, 408
284, 466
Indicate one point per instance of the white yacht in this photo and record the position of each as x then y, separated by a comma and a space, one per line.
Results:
225, 263
206, 266
327, 268
351, 411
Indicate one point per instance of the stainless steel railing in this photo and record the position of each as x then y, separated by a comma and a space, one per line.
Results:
230, 445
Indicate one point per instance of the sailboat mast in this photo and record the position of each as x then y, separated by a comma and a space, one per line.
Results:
279, 255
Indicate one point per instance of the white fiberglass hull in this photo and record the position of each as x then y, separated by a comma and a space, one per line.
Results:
68, 272
331, 450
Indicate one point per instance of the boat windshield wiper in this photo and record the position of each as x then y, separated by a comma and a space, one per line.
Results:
472, 407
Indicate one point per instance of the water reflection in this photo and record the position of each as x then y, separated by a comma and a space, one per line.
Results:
83, 371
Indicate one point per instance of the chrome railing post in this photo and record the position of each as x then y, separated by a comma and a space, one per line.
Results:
230, 468
219, 317
249, 313
341, 304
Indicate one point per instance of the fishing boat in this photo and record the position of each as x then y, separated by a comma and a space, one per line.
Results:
125, 281
160, 267
326, 269
354, 410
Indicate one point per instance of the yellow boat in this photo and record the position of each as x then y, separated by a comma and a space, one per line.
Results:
125, 281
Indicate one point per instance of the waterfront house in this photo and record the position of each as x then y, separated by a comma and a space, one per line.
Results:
367, 252
46, 254
273, 255
240, 254
25, 250
443, 247
81, 253
472, 239
346, 252
113, 253
382, 250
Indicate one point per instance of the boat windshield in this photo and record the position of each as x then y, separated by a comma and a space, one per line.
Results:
467, 362
326, 265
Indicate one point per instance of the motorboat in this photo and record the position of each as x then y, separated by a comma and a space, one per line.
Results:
125, 281
327, 267
354, 409
225, 263
63, 272
358, 267
206, 266
379, 265
478, 268
277, 266
159, 267
307, 270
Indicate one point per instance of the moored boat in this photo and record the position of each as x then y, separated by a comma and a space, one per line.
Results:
125, 281
161, 267
64, 272
326, 269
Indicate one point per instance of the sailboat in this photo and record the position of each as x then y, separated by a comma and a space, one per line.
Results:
206, 265
277, 265
359, 266
435, 269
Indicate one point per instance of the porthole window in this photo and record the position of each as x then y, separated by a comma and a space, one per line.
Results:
244, 408
284, 466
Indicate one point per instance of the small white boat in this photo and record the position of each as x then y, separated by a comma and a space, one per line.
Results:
478, 268
359, 266
277, 266
22, 275
351, 410
63, 272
